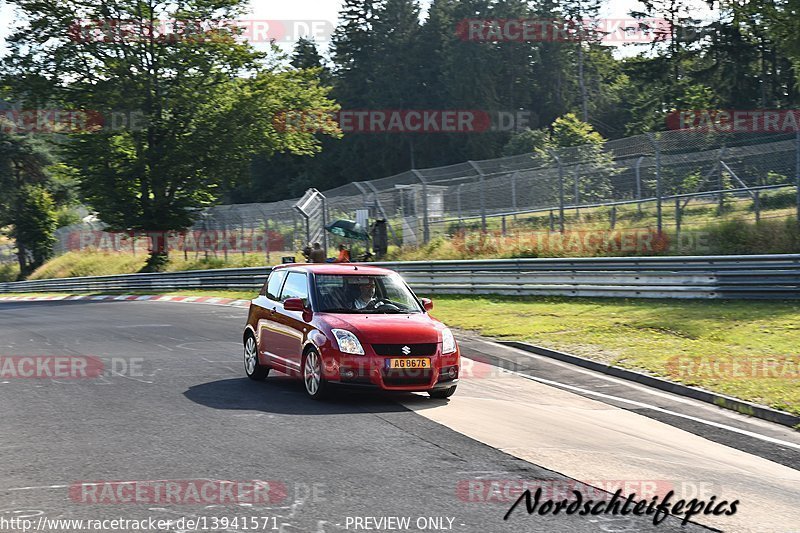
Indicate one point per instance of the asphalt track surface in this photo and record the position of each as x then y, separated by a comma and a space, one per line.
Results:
183, 410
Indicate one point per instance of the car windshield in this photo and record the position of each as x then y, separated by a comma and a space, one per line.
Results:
385, 294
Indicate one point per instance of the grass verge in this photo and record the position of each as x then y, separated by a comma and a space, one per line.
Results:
745, 349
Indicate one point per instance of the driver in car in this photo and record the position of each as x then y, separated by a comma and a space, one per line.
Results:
366, 294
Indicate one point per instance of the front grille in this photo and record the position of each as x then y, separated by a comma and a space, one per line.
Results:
396, 350
407, 376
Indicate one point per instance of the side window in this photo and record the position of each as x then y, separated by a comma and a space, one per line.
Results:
274, 284
296, 287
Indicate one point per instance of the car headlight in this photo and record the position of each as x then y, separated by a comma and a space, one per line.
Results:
448, 341
348, 343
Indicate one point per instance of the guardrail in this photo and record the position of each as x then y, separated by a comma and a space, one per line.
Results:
749, 276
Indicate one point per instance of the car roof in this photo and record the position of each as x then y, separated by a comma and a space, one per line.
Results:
337, 268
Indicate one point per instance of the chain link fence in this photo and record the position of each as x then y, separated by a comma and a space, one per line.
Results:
656, 175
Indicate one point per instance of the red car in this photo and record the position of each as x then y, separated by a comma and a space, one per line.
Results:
351, 325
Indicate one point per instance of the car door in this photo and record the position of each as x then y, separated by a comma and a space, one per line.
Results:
266, 305
290, 327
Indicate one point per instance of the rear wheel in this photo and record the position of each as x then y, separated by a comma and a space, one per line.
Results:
316, 386
252, 367
442, 393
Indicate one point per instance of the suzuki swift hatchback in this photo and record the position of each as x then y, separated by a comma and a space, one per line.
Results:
348, 324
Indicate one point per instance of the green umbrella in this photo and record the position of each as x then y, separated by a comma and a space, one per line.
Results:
347, 229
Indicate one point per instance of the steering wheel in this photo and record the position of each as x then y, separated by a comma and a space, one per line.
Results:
380, 302
374, 304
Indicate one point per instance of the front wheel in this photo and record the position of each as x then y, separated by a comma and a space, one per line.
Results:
316, 386
441, 394
254, 370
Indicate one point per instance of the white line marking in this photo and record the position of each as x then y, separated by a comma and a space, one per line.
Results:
658, 409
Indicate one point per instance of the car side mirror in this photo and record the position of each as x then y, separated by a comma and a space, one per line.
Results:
427, 303
294, 304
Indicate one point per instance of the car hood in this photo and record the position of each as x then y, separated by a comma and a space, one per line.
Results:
389, 329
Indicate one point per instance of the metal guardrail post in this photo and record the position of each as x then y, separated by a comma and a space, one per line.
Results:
482, 187
426, 231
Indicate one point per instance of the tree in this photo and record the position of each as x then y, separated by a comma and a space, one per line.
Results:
204, 103
25, 204
581, 149
526, 142
34, 228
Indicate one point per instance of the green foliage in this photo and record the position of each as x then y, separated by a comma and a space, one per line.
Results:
9, 272
35, 225
569, 130
526, 142
26, 205
766, 237
777, 199
204, 106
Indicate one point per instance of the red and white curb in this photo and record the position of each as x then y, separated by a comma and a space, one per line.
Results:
207, 300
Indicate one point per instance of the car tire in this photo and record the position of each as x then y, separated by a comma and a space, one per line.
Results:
254, 370
313, 380
441, 394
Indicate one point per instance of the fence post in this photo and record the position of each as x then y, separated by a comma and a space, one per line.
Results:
678, 215
720, 184
552, 221
324, 223
458, 200
797, 171
426, 231
613, 216
560, 190
757, 205
266, 240
482, 187
657, 149
639, 184
225, 241
514, 193
576, 192
504, 225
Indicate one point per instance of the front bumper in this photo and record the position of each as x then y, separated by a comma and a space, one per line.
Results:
370, 370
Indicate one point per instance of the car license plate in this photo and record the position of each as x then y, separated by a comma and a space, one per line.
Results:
418, 362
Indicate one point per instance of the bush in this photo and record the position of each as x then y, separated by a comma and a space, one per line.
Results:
743, 237
777, 200
9, 272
